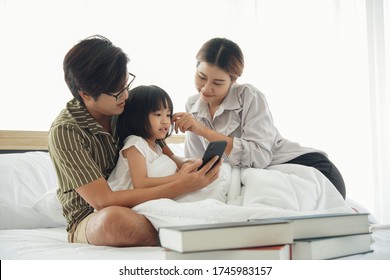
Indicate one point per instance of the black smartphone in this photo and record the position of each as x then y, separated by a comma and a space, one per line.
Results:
215, 148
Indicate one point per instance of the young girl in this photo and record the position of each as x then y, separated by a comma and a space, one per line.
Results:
147, 118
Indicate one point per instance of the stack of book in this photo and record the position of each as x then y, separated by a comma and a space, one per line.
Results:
242, 240
305, 237
330, 236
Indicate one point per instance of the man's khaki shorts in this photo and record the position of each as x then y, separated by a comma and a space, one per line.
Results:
78, 233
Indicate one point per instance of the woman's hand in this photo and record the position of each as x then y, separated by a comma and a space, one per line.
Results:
186, 122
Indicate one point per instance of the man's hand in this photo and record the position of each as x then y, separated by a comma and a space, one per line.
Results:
192, 179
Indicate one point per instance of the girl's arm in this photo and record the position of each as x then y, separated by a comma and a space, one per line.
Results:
138, 170
177, 159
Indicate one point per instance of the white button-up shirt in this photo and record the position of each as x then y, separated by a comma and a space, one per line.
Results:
243, 115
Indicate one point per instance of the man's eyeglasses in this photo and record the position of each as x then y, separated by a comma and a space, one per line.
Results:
127, 88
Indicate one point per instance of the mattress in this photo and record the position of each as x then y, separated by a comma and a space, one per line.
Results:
52, 244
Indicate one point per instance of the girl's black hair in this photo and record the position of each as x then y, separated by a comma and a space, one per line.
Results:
135, 118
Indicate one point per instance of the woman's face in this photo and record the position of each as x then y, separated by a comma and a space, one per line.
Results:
212, 83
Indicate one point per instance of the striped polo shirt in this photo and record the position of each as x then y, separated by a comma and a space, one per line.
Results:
81, 152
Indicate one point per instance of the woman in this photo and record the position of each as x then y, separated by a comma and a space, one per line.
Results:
239, 114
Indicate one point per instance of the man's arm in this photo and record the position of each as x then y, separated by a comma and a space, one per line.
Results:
99, 195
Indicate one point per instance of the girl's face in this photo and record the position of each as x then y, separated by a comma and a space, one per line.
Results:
212, 83
160, 123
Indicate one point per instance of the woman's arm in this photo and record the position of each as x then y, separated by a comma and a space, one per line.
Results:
251, 143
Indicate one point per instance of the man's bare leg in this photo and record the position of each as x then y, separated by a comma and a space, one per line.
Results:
120, 226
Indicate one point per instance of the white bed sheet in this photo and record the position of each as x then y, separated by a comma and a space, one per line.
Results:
278, 191
51, 244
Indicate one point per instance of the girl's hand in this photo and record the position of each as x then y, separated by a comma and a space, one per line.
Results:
184, 162
186, 122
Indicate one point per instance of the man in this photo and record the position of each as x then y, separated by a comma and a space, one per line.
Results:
84, 147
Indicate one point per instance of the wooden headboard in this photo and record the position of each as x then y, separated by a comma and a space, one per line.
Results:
17, 140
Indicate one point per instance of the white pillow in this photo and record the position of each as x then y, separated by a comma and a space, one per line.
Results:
50, 206
24, 180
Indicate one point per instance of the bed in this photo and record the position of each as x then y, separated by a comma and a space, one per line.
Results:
32, 225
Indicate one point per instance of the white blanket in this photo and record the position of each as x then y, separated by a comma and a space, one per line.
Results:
278, 191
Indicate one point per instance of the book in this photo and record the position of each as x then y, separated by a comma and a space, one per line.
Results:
323, 225
331, 247
206, 237
279, 252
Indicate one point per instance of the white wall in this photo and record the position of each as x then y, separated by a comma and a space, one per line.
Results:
302, 54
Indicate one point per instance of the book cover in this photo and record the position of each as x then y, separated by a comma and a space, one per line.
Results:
280, 252
330, 247
324, 225
220, 236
